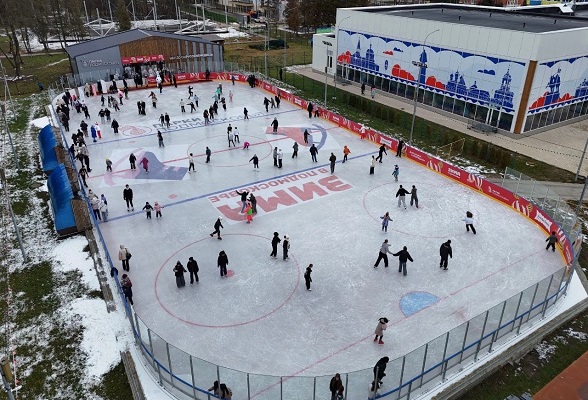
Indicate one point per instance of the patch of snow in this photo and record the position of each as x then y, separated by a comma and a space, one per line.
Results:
560, 339
232, 32
41, 122
69, 256
576, 335
545, 350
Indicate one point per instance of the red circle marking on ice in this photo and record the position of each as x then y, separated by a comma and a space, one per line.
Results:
172, 196
252, 145
229, 273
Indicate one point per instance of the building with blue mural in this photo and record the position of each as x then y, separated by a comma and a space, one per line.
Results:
510, 70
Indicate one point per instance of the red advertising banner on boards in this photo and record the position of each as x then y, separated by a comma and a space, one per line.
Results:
143, 59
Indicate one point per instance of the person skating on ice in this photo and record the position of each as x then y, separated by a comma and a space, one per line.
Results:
380, 328
128, 197
379, 369
274, 125
445, 252
332, 161
401, 196
266, 103
217, 227
243, 195
395, 173
381, 153
307, 277
403, 256
335, 386
160, 139
413, 197
182, 106
372, 165
127, 288
179, 273
306, 136
230, 137
313, 152
469, 220
157, 207
147, 208
551, 240
295, 148
249, 213
191, 163
280, 158
255, 160
145, 164
245, 113
383, 255
286, 246
385, 219
400, 147
253, 201
275, 154
132, 161
124, 255
236, 135
193, 269
346, 152
222, 263
275, 241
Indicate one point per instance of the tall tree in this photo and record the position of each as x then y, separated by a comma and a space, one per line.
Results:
122, 16
293, 14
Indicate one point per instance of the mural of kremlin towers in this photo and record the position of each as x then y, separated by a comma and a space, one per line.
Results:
483, 80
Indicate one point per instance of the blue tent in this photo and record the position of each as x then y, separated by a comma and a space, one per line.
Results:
61, 195
47, 144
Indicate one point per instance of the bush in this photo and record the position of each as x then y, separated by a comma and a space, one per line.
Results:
273, 44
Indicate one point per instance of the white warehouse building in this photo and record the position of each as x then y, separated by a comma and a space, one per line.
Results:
518, 72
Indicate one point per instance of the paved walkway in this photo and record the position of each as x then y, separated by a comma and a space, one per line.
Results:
571, 191
571, 384
561, 147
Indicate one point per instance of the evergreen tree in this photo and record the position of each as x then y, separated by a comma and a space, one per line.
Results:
122, 16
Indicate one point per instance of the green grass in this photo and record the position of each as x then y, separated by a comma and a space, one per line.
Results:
45, 68
114, 385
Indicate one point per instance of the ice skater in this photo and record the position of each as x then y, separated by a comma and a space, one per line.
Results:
445, 252
380, 368
253, 201
307, 277
104, 210
286, 246
383, 255
128, 197
124, 255
217, 227
403, 256
230, 138
191, 163
275, 154
313, 152
236, 134
243, 195
249, 213
295, 148
193, 270
306, 134
182, 106
336, 387
147, 208
401, 196
381, 153
255, 160
179, 273
399, 149
157, 207
160, 139
385, 219
222, 263
469, 220
280, 158
413, 197
275, 241
246, 145
127, 286
332, 160
145, 164
245, 113
208, 154
372, 165
551, 240
132, 161
395, 173
380, 328
346, 152
274, 125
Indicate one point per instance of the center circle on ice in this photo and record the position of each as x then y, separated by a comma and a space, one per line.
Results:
414, 302
262, 283
237, 156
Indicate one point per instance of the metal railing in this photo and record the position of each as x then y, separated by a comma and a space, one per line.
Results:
413, 374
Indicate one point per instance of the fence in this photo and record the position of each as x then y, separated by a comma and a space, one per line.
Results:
546, 199
411, 375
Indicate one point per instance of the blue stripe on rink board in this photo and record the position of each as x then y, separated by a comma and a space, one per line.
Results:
414, 302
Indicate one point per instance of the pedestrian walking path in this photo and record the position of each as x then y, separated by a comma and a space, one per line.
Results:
571, 191
571, 384
561, 147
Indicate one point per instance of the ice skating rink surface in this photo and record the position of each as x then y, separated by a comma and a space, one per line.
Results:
261, 319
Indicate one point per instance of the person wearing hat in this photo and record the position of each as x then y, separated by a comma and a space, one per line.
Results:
217, 225
275, 241
193, 269
307, 277
403, 256
395, 173
401, 196
445, 252
286, 246
379, 332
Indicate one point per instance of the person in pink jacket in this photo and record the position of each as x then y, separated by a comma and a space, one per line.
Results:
145, 164
382, 325
157, 208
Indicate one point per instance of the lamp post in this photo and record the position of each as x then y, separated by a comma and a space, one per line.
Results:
337, 49
419, 64
328, 44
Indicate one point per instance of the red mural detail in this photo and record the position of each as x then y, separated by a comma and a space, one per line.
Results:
433, 82
389, 52
344, 58
401, 73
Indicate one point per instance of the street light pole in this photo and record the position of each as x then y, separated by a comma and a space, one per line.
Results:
418, 86
326, 43
337, 49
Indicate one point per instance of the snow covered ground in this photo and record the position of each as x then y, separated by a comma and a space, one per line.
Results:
260, 319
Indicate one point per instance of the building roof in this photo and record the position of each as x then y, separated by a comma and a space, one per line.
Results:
490, 17
106, 42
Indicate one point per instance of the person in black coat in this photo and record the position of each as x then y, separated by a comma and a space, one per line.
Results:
128, 197
132, 161
403, 256
379, 369
275, 241
255, 160
114, 125
313, 152
400, 147
253, 202
306, 135
307, 277
179, 273
217, 225
445, 252
193, 269
401, 195
222, 263
332, 160
382, 151
309, 109
243, 195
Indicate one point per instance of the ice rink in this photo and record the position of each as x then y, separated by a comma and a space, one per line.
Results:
261, 319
